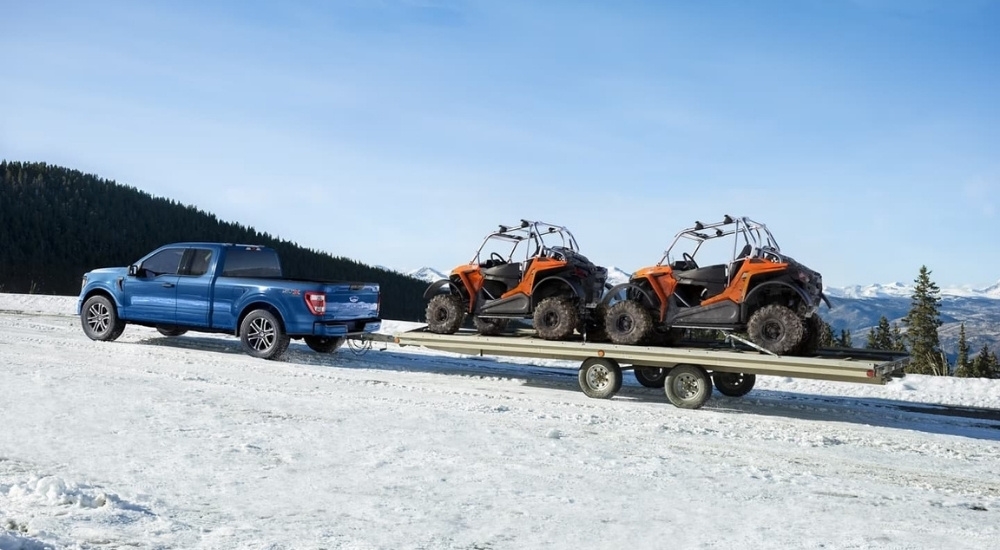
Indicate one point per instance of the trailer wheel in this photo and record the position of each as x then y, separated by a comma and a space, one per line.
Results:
734, 384
555, 318
489, 326
688, 386
776, 328
651, 377
628, 322
171, 331
600, 378
100, 319
324, 344
445, 314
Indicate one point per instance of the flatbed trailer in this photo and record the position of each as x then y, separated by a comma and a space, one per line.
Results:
687, 372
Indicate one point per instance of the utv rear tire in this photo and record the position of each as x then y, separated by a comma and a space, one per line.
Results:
651, 377
489, 326
170, 331
445, 314
100, 319
262, 335
555, 318
776, 328
627, 322
323, 344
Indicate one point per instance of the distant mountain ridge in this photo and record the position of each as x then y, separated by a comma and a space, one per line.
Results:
901, 290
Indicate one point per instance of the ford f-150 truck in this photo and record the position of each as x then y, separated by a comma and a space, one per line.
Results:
226, 288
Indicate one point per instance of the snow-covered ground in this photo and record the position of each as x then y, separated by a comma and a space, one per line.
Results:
154, 442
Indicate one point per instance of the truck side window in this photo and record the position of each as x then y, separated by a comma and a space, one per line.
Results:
199, 263
164, 262
251, 262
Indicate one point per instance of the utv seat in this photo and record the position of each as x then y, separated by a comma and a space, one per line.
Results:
509, 275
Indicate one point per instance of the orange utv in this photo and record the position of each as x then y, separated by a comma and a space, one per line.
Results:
756, 289
532, 270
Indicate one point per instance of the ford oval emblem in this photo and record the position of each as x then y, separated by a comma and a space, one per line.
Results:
354, 299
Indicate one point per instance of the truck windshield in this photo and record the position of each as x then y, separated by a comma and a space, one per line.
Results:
251, 261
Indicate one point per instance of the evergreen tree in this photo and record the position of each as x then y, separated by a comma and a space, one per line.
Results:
962, 366
844, 340
984, 365
922, 324
880, 337
898, 342
826, 339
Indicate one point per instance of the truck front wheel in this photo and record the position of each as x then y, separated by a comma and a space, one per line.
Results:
262, 335
100, 319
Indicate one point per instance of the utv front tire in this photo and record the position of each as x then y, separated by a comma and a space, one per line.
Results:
262, 335
100, 319
776, 328
555, 319
323, 344
489, 326
627, 322
445, 314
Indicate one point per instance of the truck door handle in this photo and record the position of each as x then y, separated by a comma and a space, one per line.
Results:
168, 285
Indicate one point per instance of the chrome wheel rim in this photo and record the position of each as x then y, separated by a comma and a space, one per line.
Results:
98, 318
686, 386
262, 334
598, 377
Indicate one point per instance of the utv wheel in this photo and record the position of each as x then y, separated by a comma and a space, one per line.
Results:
262, 335
734, 384
170, 331
810, 343
555, 318
100, 319
688, 386
489, 327
627, 322
445, 314
651, 377
323, 344
600, 378
776, 328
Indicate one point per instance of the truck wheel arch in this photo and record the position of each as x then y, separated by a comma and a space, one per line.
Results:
247, 309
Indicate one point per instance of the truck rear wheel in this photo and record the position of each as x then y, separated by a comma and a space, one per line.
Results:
627, 322
651, 377
734, 384
555, 318
776, 328
688, 386
100, 319
600, 378
445, 314
324, 344
262, 335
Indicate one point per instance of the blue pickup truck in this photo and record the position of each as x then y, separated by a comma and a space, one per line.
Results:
226, 288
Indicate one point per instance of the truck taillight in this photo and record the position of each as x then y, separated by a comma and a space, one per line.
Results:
316, 301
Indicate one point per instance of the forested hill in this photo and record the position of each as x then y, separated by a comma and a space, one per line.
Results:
57, 223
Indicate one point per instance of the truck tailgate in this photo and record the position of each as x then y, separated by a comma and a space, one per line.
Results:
351, 301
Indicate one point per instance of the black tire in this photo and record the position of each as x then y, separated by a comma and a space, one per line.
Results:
628, 322
688, 386
262, 335
600, 378
555, 318
810, 342
776, 328
489, 326
170, 331
99, 319
324, 344
651, 377
734, 384
445, 314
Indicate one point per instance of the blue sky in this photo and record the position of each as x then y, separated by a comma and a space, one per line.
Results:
865, 133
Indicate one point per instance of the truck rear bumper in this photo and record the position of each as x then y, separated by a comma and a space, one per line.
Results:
346, 328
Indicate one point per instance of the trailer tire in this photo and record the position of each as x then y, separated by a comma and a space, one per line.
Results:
776, 328
100, 319
170, 331
627, 322
688, 386
445, 314
651, 377
262, 335
324, 344
734, 384
489, 326
555, 318
600, 378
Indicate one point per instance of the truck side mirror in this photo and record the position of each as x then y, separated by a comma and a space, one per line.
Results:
133, 270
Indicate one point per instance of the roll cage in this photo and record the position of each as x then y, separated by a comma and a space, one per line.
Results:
752, 239
540, 239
